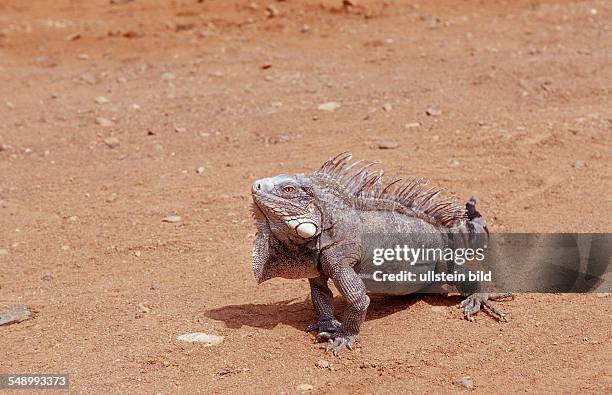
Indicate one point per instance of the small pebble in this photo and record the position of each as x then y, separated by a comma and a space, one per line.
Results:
323, 364
89, 78
433, 112
73, 37
44, 61
198, 337
184, 26
15, 315
104, 122
304, 388
168, 76
580, 164
329, 106
272, 11
465, 382
200, 170
112, 142
101, 99
172, 219
387, 107
387, 144
412, 125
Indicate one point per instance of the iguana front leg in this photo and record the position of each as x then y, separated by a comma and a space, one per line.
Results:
337, 266
322, 299
476, 235
475, 299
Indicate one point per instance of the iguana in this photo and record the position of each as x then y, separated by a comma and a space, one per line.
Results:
313, 226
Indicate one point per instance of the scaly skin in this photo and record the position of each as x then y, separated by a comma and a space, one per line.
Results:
311, 226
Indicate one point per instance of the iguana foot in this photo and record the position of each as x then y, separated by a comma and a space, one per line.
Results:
331, 332
325, 329
337, 342
472, 304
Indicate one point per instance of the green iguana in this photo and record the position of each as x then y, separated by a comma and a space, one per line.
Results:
313, 226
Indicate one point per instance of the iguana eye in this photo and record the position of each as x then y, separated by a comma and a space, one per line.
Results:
289, 188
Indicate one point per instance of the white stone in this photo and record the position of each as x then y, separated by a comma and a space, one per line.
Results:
329, 106
198, 337
304, 388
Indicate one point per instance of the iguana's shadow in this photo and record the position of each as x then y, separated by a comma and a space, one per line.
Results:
298, 313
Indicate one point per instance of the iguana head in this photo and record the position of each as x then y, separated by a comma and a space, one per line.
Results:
288, 204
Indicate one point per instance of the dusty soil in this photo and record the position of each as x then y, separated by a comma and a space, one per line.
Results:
524, 90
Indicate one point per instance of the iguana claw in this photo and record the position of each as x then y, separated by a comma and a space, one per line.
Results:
323, 326
330, 330
338, 342
472, 304
324, 336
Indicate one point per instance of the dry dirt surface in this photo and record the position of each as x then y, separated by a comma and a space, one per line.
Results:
115, 116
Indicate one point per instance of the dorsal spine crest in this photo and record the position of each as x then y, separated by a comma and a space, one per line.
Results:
363, 188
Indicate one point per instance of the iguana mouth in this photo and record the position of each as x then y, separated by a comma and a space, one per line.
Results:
304, 228
267, 202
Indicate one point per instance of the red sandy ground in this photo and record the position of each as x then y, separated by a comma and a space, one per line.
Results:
525, 93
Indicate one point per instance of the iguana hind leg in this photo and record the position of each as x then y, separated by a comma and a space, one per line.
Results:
472, 304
